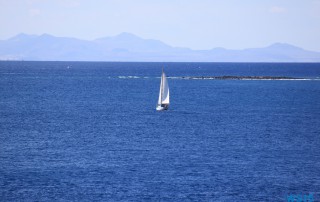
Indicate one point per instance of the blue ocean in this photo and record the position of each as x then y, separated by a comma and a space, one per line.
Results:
89, 131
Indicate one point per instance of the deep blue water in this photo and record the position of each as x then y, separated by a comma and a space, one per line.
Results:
85, 131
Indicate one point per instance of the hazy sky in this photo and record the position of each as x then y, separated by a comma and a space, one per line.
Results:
197, 24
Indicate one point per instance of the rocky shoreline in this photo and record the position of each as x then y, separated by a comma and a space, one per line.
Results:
241, 77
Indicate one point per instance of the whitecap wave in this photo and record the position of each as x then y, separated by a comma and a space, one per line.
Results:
128, 77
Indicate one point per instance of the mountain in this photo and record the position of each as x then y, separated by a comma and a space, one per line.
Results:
129, 47
130, 42
48, 47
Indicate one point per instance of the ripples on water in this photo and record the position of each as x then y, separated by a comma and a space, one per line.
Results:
84, 133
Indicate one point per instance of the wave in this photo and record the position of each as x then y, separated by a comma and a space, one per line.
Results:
129, 77
10, 73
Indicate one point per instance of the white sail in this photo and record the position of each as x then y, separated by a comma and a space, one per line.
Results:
160, 91
164, 91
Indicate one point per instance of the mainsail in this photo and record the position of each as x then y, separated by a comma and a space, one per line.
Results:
164, 91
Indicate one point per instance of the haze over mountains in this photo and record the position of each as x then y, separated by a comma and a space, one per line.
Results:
129, 47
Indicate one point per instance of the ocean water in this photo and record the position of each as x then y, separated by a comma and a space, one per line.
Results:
88, 131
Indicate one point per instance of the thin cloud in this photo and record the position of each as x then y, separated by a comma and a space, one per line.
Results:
34, 12
315, 12
277, 9
69, 3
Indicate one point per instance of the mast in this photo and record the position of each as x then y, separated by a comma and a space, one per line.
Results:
161, 94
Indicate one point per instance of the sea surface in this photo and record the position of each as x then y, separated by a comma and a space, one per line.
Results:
89, 131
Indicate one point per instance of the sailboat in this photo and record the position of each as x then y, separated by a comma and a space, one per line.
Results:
163, 101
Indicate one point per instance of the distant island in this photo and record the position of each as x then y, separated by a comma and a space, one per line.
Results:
241, 77
127, 47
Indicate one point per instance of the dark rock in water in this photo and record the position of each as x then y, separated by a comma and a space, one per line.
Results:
241, 77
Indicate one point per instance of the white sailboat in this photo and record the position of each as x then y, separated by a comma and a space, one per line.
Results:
163, 101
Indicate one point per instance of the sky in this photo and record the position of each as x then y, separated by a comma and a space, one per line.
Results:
195, 24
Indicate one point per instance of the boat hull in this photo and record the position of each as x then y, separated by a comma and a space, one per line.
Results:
162, 108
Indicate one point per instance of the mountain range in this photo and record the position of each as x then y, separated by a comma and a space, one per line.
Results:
129, 47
